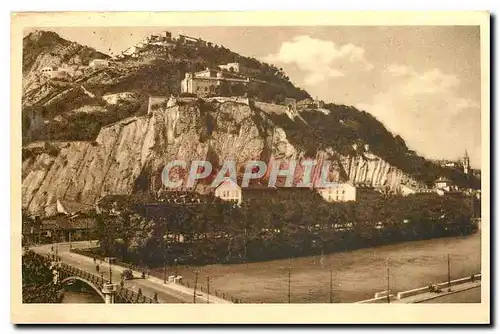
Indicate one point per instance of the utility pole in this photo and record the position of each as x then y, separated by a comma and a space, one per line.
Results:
331, 285
88, 233
449, 275
195, 283
246, 241
388, 283
208, 289
289, 279
164, 259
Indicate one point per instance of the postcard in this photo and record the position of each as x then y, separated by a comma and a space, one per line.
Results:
283, 167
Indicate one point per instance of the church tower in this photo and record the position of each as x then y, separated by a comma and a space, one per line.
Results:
466, 163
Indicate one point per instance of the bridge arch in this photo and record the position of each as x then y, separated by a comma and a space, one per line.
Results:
89, 283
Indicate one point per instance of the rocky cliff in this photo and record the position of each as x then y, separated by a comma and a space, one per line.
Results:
128, 156
80, 146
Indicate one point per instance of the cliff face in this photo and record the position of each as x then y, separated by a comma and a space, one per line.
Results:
128, 156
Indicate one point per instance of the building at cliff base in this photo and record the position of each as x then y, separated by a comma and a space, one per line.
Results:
341, 192
231, 190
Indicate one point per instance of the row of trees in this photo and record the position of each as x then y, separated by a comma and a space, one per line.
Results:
270, 227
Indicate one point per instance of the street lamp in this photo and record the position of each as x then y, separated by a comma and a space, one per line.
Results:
110, 261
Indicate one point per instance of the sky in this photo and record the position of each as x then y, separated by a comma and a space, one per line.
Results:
422, 83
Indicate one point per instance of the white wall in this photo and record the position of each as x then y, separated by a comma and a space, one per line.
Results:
343, 192
228, 191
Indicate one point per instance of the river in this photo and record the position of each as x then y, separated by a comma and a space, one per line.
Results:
355, 275
78, 293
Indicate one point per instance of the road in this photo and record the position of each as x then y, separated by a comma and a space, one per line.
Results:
167, 293
466, 296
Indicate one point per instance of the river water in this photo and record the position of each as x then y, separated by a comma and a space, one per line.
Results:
80, 294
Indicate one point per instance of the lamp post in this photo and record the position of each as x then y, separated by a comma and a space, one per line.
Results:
110, 261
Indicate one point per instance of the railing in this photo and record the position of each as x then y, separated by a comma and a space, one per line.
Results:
149, 272
127, 295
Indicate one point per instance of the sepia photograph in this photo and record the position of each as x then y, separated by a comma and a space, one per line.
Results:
237, 161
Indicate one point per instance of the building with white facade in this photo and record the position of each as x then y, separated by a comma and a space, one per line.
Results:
238, 68
443, 184
117, 97
341, 192
99, 63
228, 190
206, 82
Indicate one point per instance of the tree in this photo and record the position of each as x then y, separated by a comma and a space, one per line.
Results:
37, 280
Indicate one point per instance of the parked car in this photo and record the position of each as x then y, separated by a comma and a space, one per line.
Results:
127, 274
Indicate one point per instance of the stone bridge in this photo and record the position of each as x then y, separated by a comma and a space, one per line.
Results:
110, 293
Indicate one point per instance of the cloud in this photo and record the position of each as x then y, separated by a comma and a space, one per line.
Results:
427, 110
319, 59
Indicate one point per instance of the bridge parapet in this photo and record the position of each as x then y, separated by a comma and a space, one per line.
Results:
122, 294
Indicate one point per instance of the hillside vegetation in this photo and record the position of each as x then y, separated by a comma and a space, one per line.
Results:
157, 71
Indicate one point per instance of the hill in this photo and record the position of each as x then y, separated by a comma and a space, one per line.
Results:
68, 103
79, 146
